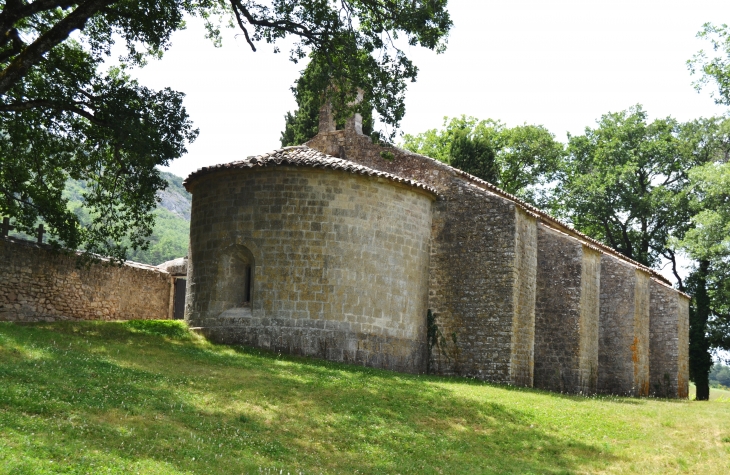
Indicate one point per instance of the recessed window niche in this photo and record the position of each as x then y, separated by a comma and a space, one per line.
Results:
235, 278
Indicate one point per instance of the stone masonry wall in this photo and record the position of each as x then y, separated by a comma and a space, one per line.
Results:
37, 284
623, 347
668, 335
483, 258
640, 347
566, 314
472, 284
590, 295
481, 279
683, 345
340, 264
523, 325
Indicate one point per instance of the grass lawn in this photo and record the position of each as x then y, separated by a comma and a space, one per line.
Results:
151, 398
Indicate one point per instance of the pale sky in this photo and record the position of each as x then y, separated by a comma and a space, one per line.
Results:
558, 63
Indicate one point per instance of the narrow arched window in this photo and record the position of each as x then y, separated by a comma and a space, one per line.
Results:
247, 287
235, 278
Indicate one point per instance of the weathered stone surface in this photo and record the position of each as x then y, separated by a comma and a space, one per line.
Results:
480, 246
524, 294
483, 260
175, 267
669, 342
590, 296
339, 263
37, 284
623, 346
566, 314
482, 275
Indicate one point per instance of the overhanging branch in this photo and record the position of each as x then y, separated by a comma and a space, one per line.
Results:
76, 20
57, 106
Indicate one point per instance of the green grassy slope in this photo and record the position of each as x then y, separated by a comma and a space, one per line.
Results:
124, 398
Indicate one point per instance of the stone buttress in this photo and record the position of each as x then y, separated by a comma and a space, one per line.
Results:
668, 342
482, 266
566, 313
623, 345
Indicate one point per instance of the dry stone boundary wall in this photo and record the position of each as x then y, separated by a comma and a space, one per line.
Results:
40, 285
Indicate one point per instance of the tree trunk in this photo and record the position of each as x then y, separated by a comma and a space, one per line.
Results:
700, 360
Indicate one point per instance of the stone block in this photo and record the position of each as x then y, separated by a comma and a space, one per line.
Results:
566, 314
623, 346
669, 342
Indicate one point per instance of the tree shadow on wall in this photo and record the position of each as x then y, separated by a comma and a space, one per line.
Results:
94, 394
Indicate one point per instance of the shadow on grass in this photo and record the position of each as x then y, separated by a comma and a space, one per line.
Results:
107, 395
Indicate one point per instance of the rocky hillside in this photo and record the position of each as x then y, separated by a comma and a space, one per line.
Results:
169, 239
175, 199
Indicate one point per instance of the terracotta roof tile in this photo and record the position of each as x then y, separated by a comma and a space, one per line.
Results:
303, 156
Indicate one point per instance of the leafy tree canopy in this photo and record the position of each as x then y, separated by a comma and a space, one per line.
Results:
62, 117
303, 124
624, 183
713, 68
707, 241
474, 155
526, 157
720, 375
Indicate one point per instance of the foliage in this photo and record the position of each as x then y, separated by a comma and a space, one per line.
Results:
700, 360
114, 150
171, 231
714, 69
169, 240
473, 155
62, 117
526, 157
708, 240
624, 183
720, 375
93, 397
303, 125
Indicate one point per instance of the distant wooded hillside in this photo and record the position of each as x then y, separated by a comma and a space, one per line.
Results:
172, 226
169, 239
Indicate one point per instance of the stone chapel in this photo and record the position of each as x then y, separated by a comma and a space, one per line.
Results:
346, 250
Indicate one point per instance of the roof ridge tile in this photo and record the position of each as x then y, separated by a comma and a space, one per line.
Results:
301, 155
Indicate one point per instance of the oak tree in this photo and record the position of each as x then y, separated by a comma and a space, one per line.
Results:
623, 183
707, 242
63, 116
526, 157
